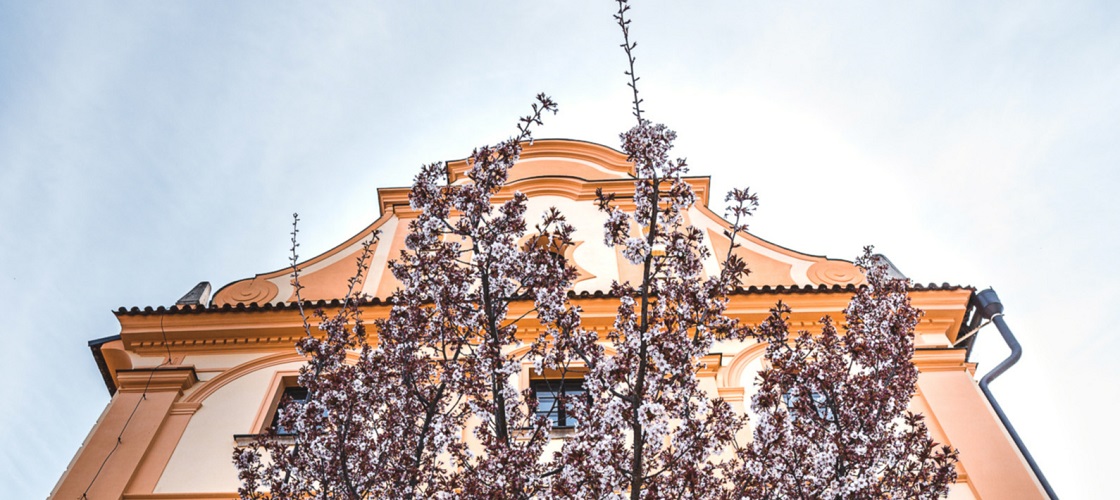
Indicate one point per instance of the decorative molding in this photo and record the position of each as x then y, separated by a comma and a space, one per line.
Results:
183, 408
942, 360
224, 344
732, 394
261, 284
835, 272
739, 363
276, 330
710, 365
251, 439
211, 386
611, 161
246, 291
567, 251
178, 378
280, 380
581, 273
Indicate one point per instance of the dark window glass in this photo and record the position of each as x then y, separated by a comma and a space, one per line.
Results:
820, 403
293, 396
550, 393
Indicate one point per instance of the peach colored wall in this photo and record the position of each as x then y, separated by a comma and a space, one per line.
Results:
202, 461
143, 402
209, 363
961, 492
596, 258
993, 463
110, 483
161, 448
178, 447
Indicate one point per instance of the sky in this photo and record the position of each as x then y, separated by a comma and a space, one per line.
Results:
147, 146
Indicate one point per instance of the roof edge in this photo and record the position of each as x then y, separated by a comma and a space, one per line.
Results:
99, 358
376, 301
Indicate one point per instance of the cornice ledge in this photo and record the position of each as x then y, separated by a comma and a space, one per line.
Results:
185, 408
160, 379
710, 365
732, 394
941, 360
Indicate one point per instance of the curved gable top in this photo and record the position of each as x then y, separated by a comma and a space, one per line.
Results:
546, 157
553, 172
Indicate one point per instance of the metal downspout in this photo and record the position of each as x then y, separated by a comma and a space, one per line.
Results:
990, 307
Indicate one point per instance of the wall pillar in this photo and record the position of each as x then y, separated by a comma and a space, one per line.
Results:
143, 401
994, 465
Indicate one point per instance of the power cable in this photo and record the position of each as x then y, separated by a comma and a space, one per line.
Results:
143, 397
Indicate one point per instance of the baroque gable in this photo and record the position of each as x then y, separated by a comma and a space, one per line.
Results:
560, 173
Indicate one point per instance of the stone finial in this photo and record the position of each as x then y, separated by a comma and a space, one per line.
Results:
892, 270
198, 296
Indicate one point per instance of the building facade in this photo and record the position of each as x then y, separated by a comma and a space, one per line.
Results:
190, 381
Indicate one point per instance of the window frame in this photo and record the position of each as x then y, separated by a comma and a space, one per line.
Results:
819, 402
560, 391
285, 392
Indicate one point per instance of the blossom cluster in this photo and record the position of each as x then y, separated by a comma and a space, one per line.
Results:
833, 418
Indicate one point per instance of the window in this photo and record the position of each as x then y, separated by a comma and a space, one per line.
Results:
820, 402
293, 396
552, 398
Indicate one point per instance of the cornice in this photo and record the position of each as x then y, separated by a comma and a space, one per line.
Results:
395, 200
710, 365
168, 378
942, 360
279, 327
612, 160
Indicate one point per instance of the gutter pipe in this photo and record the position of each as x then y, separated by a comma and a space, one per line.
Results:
992, 309
99, 358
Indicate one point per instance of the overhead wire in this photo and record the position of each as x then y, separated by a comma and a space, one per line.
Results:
143, 397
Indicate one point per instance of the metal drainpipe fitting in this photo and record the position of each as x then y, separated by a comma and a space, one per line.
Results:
991, 308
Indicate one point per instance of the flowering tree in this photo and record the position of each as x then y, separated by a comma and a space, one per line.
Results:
387, 410
466, 262
832, 409
389, 423
647, 429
